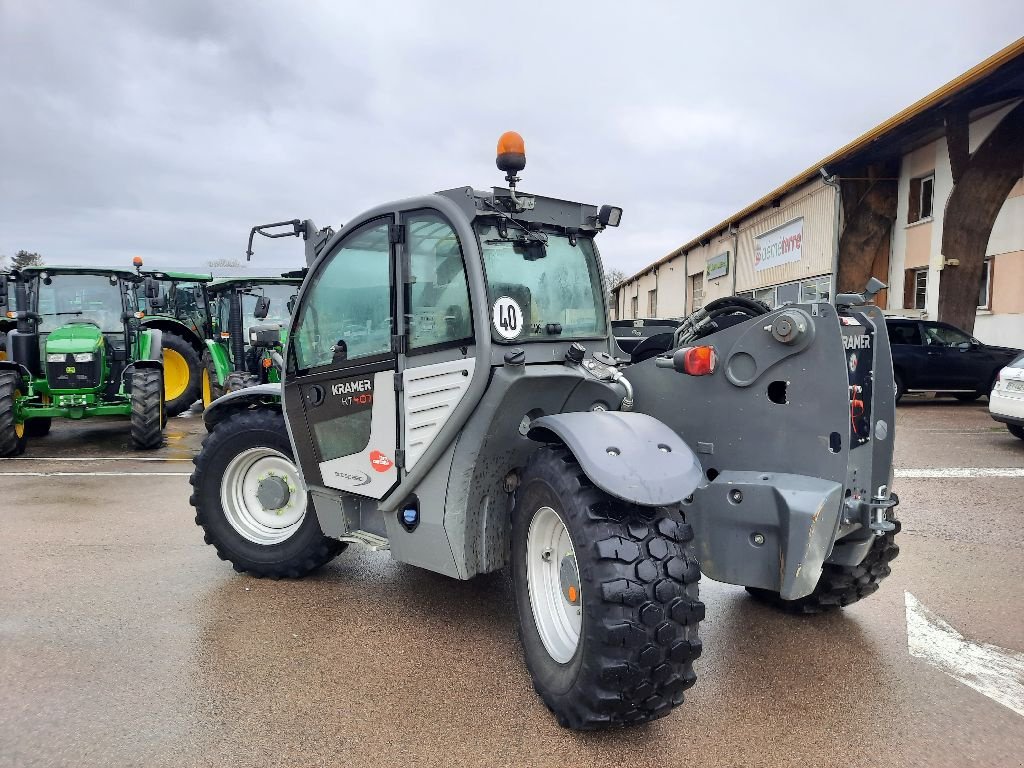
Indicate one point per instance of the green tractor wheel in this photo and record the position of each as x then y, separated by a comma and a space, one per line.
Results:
147, 408
12, 434
182, 374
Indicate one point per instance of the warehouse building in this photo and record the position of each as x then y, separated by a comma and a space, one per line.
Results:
931, 202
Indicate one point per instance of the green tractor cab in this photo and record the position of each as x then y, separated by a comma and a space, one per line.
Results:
250, 317
78, 350
176, 303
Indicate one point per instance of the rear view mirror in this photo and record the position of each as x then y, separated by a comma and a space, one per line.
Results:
262, 308
3, 291
291, 303
151, 288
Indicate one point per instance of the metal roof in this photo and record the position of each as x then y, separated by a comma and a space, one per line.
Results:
863, 143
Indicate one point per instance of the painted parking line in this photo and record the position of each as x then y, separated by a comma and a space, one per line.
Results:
95, 474
959, 472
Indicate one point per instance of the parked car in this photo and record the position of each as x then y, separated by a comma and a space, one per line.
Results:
929, 356
1006, 402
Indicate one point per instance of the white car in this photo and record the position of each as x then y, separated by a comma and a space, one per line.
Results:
1006, 402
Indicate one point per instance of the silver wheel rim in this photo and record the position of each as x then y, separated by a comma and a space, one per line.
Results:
549, 557
243, 508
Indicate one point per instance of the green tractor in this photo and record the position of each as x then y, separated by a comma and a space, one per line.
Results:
77, 351
180, 309
250, 317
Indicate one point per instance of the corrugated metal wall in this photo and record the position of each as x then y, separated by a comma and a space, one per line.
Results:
815, 202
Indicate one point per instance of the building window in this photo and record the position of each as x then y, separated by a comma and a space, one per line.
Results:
815, 289
915, 288
985, 294
922, 198
697, 290
652, 303
635, 306
767, 295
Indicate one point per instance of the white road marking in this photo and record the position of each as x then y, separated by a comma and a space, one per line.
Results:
92, 458
959, 472
95, 474
990, 670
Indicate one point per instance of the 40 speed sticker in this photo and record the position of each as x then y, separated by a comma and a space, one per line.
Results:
507, 317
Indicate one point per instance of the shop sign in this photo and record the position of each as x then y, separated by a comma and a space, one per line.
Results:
717, 266
780, 246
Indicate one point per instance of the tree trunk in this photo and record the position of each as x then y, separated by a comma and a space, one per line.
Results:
984, 182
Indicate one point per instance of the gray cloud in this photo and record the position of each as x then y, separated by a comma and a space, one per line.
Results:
168, 129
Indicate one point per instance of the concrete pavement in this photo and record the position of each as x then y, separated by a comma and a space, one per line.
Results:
125, 641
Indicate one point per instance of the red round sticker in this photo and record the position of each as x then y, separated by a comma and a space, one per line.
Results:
380, 462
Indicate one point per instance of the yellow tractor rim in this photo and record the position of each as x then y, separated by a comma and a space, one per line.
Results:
176, 374
207, 390
19, 429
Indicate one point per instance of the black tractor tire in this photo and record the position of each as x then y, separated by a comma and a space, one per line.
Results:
900, 388
240, 380
193, 389
841, 585
1016, 430
210, 389
301, 553
39, 427
148, 414
638, 576
13, 436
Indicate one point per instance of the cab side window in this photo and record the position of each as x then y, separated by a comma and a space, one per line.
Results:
438, 296
347, 313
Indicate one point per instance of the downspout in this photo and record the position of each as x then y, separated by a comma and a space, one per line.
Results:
833, 281
735, 256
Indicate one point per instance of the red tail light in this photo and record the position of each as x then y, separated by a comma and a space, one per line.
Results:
699, 361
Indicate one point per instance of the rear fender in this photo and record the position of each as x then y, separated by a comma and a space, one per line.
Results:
221, 363
631, 456
261, 395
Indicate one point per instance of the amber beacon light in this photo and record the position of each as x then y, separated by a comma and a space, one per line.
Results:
511, 153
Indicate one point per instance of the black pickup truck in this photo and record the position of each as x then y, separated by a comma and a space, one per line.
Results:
929, 356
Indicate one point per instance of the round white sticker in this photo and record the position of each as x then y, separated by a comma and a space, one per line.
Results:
507, 317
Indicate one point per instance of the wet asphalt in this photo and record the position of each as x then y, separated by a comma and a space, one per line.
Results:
125, 641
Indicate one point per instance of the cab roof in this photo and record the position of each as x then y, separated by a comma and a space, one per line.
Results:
79, 270
227, 282
163, 274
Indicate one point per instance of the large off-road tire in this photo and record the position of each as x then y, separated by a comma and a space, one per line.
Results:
182, 374
240, 380
148, 414
841, 585
13, 436
39, 427
211, 389
250, 501
606, 594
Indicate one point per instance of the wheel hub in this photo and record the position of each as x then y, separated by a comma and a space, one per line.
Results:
554, 585
273, 492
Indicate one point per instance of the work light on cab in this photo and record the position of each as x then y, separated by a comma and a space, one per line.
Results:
693, 361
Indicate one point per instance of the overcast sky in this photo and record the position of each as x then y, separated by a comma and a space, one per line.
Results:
168, 128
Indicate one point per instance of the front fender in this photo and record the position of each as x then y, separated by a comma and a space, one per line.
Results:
632, 456
221, 362
260, 394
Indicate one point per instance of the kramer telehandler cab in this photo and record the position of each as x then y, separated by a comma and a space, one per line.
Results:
78, 351
180, 309
250, 323
452, 394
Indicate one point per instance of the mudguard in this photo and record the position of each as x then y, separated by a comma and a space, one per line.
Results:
632, 456
260, 394
221, 363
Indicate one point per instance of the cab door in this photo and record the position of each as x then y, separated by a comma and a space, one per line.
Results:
340, 395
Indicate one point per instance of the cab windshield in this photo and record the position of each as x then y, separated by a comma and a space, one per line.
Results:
279, 296
77, 298
554, 286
